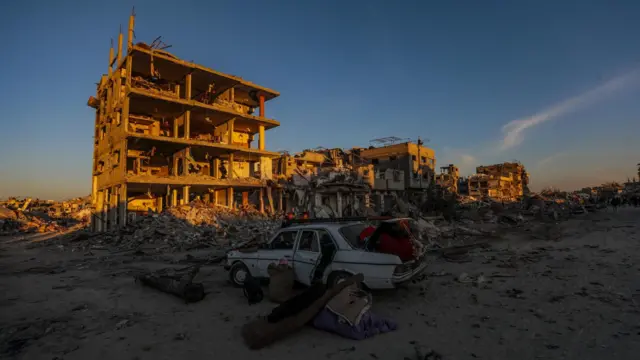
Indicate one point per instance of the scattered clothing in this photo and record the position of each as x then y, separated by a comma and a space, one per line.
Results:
350, 304
370, 325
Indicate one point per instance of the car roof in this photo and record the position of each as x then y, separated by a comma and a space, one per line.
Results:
327, 225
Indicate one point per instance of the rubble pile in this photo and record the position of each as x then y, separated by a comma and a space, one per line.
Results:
13, 222
192, 226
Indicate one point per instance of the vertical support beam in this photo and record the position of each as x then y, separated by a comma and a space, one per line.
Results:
159, 204
175, 127
106, 211
113, 211
94, 190
126, 101
174, 197
187, 114
270, 198
177, 90
230, 198
119, 48
187, 87
130, 35
261, 137
230, 129
215, 168
215, 196
110, 71
261, 105
230, 174
280, 208
174, 166
245, 198
124, 203
98, 217
262, 200
185, 193
339, 204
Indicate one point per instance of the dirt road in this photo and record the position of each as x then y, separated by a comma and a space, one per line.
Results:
576, 298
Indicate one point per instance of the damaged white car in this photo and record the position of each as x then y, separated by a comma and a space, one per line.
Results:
333, 251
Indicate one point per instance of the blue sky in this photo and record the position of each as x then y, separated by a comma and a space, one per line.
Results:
454, 72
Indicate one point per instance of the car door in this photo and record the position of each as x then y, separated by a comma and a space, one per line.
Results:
279, 248
306, 256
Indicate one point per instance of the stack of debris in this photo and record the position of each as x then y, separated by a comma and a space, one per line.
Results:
13, 222
192, 226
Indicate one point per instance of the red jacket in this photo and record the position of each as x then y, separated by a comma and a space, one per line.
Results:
402, 247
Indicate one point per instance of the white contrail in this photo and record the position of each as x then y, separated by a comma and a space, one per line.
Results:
514, 129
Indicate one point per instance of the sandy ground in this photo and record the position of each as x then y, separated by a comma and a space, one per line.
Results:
576, 298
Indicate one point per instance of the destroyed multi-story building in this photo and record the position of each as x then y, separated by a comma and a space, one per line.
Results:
168, 131
406, 169
447, 180
507, 181
417, 163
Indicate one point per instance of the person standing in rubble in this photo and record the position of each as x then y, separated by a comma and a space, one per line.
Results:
615, 202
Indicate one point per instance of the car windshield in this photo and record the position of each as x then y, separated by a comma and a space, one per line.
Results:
351, 233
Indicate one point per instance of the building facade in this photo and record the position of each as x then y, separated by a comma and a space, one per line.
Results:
168, 131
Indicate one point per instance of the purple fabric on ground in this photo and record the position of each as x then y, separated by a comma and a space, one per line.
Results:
369, 326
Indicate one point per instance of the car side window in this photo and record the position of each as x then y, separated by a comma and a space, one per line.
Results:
309, 241
284, 240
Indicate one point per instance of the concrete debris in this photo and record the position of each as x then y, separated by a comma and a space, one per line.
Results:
192, 226
41, 216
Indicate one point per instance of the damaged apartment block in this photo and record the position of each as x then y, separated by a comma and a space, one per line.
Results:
507, 182
168, 131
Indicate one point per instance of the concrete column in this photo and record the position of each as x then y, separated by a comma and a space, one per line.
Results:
122, 206
280, 208
94, 190
185, 193
339, 204
159, 203
230, 197
215, 168
174, 166
262, 200
119, 49
187, 114
270, 199
230, 130
107, 209
215, 196
174, 197
261, 137
245, 198
318, 199
261, 105
175, 128
99, 212
230, 169
130, 37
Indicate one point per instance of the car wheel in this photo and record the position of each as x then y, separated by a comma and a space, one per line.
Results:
238, 273
337, 277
